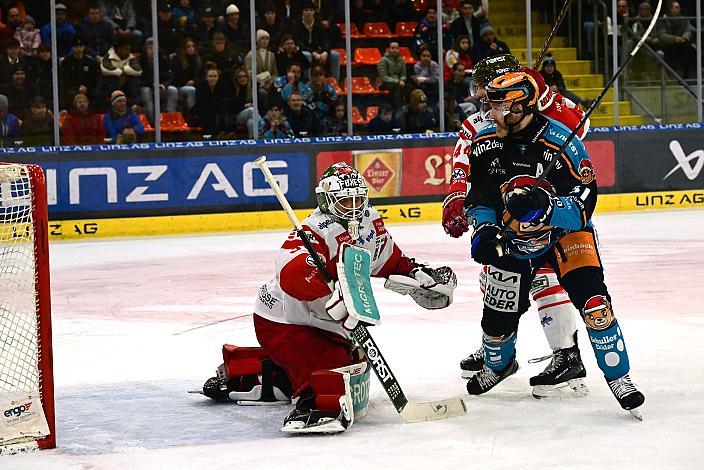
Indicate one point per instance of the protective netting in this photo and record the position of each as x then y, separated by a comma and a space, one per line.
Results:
19, 322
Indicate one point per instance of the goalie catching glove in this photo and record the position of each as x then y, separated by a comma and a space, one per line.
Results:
336, 309
430, 288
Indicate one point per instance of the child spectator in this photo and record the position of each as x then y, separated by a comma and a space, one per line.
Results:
28, 36
81, 126
336, 121
553, 79
187, 67
64, 32
488, 46
427, 75
385, 122
97, 33
121, 70
38, 128
458, 89
274, 124
9, 124
121, 125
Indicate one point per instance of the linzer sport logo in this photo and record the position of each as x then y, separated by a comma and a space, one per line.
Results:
18, 410
691, 165
378, 174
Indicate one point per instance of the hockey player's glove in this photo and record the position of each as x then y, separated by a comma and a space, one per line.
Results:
335, 308
532, 207
485, 247
429, 288
454, 219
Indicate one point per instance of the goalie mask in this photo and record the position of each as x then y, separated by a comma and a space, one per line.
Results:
342, 194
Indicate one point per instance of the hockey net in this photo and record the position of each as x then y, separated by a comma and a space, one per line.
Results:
26, 374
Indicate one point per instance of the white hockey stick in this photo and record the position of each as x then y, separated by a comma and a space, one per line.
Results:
410, 412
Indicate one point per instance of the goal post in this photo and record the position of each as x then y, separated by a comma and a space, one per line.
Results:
27, 418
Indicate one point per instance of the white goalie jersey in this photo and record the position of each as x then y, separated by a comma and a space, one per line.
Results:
298, 294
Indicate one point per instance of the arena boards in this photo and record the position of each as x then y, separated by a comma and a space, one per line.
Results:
276, 220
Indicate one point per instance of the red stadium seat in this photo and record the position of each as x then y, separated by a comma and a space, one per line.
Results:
357, 118
405, 29
367, 56
377, 30
363, 86
173, 122
145, 123
335, 85
343, 56
372, 112
421, 5
354, 30
407, 55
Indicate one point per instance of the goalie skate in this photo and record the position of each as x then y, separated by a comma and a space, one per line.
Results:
314, 422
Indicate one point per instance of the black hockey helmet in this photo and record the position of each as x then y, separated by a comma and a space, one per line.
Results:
489, 68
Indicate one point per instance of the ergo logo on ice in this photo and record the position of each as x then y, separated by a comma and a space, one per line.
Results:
18, 410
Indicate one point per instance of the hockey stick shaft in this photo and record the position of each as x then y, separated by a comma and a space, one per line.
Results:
359, 333
556, 26
589, 111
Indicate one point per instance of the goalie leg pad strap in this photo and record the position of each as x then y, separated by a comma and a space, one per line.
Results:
252, 377
332, 393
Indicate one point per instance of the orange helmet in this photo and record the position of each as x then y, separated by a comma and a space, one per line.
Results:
514, 88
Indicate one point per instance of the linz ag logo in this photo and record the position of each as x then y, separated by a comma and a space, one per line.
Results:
18, 410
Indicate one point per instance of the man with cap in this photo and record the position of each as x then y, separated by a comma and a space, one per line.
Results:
98, 35
64, 32
488, 46
417, 117
38, 127
170, 33
121, 125
206, 27
81, 126
313, 39
9, 124
18, 92
236, 30
77, 74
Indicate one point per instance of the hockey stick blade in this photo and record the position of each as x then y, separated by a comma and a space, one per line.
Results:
433, 410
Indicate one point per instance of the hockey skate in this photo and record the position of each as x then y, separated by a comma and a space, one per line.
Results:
487, 378
473, 363
563, 377
307, 421
628, 396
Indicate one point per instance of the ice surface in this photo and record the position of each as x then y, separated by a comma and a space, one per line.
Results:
139, 322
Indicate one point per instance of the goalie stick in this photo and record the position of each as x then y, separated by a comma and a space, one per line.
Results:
411, 412
589, 111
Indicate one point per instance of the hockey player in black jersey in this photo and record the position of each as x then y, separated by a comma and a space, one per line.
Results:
552, 224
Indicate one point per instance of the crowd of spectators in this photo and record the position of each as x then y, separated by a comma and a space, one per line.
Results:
106, 65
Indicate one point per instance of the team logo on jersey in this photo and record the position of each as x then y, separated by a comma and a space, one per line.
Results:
458, 174
495, 168
586, 172
597, 313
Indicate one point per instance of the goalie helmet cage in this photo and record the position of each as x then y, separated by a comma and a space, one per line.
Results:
26, 364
